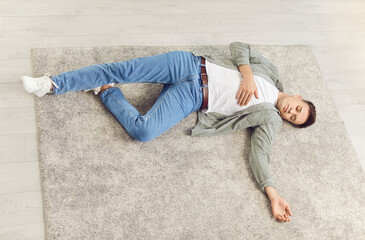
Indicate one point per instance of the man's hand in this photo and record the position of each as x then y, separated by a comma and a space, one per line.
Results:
280, 208
247, 86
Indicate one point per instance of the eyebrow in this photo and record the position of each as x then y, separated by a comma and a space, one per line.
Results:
301, 108
299, 112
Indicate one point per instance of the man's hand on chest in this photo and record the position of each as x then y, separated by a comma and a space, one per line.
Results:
247, 87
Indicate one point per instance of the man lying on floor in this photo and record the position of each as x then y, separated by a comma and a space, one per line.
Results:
221, 89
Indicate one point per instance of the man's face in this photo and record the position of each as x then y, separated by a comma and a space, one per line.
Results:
293, 109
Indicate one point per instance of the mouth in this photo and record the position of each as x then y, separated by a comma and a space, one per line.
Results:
286, 108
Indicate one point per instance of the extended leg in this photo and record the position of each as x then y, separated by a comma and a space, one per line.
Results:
165, 68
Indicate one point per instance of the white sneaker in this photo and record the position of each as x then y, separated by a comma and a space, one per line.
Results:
39, 86
97, 89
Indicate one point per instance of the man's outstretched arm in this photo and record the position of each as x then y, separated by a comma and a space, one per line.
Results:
259, 158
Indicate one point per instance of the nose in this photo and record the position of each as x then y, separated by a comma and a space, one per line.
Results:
292, 110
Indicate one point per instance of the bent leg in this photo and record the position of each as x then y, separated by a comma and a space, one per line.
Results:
166, 68
174, 104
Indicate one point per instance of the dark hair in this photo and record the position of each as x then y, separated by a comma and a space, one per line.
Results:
312, 115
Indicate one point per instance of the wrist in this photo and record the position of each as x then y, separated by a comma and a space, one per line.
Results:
272, 193
245, 69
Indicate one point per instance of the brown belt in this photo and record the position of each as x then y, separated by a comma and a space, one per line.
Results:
204, 78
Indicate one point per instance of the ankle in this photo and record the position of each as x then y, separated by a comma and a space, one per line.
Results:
105, 87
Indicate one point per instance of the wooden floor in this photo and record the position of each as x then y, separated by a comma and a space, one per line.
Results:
335, 29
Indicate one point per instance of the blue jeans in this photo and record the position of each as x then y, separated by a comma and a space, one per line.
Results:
181, 95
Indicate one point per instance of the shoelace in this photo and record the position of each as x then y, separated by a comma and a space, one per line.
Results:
49, 76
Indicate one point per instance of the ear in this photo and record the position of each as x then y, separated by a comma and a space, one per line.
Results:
298, 96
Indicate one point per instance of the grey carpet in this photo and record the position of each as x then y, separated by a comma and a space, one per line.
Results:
98, 183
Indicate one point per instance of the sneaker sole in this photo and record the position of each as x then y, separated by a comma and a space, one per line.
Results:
29, 91
23, 84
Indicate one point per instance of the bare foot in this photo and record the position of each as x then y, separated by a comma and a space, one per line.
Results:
281, 209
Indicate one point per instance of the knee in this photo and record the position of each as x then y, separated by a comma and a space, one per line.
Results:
143, 135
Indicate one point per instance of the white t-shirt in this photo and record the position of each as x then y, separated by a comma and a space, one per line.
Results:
223, 85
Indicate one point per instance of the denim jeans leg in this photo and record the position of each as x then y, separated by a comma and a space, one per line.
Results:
174, 104
166, 68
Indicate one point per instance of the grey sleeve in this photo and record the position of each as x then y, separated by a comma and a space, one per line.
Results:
259, 158
244, 54
240, 53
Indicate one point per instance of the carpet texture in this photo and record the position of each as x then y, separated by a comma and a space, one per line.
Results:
99, 183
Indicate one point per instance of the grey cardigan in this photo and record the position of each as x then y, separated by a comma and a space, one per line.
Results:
263, 118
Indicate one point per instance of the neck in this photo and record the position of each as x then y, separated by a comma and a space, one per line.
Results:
280, 96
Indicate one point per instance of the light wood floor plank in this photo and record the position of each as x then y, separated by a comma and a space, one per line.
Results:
65, 7
352, 100
341, 65
84, 41
19, 177
324, 6
31, 147
1, 26
14, 95
12, 148
164, 39
10, 70
268, 22
21, 208
209, 7
19, 148
18, 48
346, 80
86, 25
23, 232
360, 37
288, 38
17, 120
339, 56
353, 117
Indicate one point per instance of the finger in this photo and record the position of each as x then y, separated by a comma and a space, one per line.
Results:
287, 209
238, 94
256, 94
279, 218
248, 99
245, 98
242, 97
